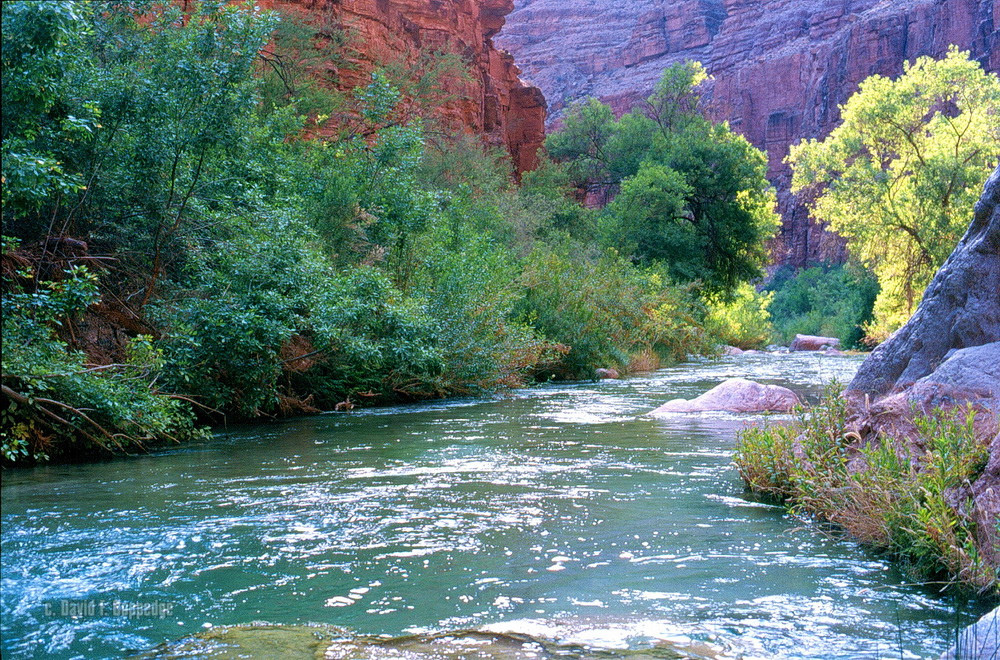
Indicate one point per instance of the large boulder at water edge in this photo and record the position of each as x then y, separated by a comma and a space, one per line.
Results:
813, 343
734, 395
980, 640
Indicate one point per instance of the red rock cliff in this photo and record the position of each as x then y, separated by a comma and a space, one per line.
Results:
493, 102
781, 67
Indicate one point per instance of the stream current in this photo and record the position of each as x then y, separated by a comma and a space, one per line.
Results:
559, 512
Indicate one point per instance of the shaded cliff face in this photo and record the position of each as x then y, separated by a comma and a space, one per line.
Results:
781, 67
493, 102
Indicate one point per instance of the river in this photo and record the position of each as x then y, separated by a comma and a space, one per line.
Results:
559, 512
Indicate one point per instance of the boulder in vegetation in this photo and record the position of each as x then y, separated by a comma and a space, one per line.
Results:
980, 640
813, 343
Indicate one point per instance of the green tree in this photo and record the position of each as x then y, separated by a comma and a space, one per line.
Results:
688, 193
899, 177
42, 48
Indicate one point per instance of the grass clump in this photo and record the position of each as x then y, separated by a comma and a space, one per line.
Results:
907, 498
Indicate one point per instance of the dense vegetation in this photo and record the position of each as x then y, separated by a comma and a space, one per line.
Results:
827, 300
880, 493
898, 178
199, 222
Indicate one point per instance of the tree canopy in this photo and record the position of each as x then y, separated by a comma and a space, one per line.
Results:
899, 177
688, 193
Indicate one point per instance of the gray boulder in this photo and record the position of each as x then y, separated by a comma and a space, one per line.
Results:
981, 640
734, 395
961, 307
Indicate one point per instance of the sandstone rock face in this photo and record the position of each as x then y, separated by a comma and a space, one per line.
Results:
781, 67
734, 395
813, 343
493, 102
960, 309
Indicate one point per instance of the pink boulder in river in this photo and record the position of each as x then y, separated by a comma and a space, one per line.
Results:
734, 395
813, 343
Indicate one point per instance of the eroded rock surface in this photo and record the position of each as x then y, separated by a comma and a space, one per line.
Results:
734, 395
493, 101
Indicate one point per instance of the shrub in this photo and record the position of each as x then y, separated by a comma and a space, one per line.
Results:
606, 310
374, 340
879, 493
55, 404
742, 321
832, 301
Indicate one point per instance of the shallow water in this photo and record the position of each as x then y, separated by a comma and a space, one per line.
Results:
558, 512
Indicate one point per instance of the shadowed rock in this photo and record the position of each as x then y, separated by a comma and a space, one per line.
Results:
734, 395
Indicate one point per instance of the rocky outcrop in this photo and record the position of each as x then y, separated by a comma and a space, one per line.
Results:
781, 67
947, 356
734, 395
492, 102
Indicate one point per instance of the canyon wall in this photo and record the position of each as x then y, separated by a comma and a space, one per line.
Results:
492, 102
780, 67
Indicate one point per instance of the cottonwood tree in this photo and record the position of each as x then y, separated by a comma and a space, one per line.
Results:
690, 195
899, 177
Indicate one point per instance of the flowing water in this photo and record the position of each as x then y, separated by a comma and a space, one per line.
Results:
559, 512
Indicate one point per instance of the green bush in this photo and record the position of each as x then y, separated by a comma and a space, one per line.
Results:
374, 340
742, 321
606, 311
56, 404
831, 301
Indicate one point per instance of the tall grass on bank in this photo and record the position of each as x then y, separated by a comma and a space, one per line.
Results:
879, 492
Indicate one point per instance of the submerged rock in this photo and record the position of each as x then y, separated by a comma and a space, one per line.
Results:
734, 395
307, 642
980, 640
813, 343
254, 640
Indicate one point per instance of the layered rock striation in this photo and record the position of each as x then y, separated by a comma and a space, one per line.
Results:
781, 67
492, 101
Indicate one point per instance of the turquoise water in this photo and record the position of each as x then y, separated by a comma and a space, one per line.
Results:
559, 512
